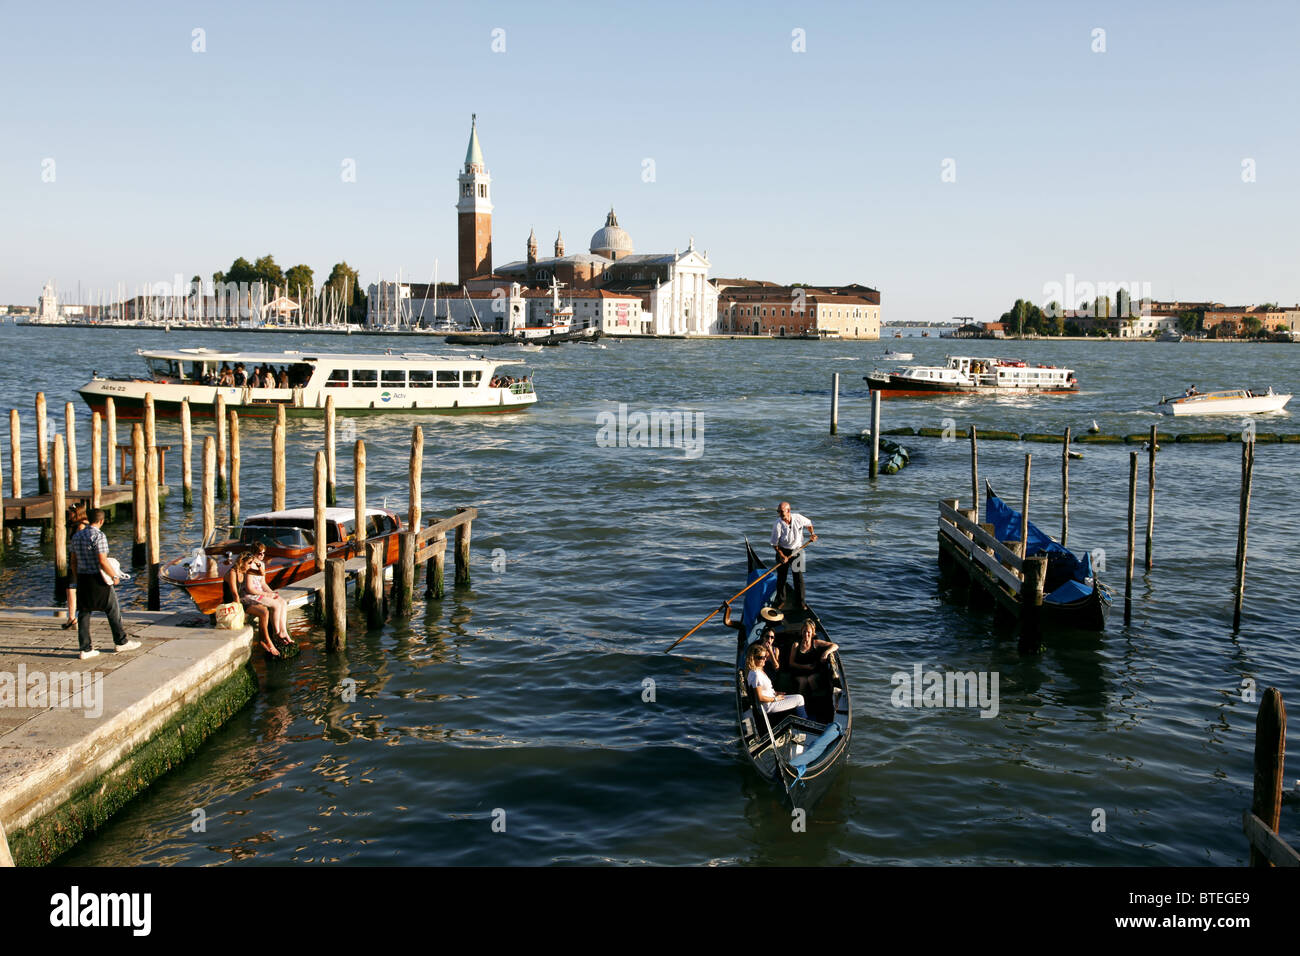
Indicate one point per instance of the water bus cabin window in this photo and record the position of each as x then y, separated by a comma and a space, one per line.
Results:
394, 377
421, 378
365, 378
472, 377
164, 368
449, 378
338, 379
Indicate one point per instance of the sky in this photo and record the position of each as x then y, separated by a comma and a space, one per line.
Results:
955, 156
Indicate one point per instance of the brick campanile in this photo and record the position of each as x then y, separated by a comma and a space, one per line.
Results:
474, 212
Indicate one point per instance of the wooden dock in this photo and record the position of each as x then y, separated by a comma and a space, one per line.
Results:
36, 510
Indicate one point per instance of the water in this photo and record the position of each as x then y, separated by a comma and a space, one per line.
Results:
521, 701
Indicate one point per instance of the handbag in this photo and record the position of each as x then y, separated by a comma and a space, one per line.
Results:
230, 616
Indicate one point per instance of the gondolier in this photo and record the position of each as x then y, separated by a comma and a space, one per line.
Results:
787, 538
97, 573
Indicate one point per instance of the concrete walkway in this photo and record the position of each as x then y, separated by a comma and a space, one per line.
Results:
79, 738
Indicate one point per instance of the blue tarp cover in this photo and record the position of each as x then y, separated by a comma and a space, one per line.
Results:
1069, 575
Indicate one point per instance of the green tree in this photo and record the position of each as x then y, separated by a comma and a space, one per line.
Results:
1251, 325
1190, 321
266, 270
299, 279
241, 270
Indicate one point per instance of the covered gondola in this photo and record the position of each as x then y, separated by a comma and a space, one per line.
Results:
1073, 598
800, 755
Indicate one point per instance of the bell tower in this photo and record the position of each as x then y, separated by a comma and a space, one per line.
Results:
474, 211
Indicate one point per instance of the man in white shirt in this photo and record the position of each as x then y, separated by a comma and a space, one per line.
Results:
787, 537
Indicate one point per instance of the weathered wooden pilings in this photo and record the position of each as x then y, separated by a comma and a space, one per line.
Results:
372, 599
15, 455
1243, 523
835, 402
336, 605
404, 579
435, 570
96, 460
1031, 604
187, 453
415, 496
1151, 494
219, 415
320, 536
150, 429
42, 447
359, 494
1266, 789
234, 468
1132, 531
152, 480
70, 416
875, 434
1065, 487
975, 473
110, 426
463, 531
331, 496
209, 489
277, 468
1024, 511
59, 524
139, 546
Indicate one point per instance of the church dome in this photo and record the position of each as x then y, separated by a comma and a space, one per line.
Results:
611, 241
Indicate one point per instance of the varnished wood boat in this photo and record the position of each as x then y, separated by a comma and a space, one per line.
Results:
290, 550
801, 756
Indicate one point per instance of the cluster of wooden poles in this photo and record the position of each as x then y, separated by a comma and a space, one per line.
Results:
1247, 474
58, 474
875, 421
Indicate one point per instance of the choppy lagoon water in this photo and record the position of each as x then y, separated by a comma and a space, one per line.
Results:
524, 694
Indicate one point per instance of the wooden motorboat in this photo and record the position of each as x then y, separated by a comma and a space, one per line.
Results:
1237, 401
290, 549
799, 755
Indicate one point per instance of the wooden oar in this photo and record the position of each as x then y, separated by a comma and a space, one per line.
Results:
775, 567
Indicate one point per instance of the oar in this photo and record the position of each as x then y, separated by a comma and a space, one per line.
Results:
775, 567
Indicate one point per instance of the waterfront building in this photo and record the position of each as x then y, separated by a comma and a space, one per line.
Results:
750, 307
1225, 321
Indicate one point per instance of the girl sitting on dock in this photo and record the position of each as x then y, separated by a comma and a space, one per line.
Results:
255, 588
234, 591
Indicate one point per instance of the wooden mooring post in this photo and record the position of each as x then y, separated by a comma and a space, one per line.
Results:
1065, 488
15, 455
187, 453
404, 579
331, 497
1031, 604
373, 603
234, 468
434, 586
463, 532
96, 459
219, 416
110, 426
835, 402
875, 433
59, 524
359, 494
277, 466
70, 416
139, 546
1243, 524
318, 507
42, 447
1024, 511
209, 489
155, 532
336, 605
1132, 531
150, 430
975, 473
1261, 822
1151, 494
416, 478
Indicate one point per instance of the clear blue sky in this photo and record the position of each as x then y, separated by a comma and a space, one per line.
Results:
822, 166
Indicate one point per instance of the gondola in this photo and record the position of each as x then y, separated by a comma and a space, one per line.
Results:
801, 756
1073, 598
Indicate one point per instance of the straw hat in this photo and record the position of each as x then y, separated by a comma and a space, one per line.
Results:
771, 615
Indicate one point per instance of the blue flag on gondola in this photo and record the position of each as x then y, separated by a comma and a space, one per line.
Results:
759, 596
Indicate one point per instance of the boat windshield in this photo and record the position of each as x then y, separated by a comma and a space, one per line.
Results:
275, 536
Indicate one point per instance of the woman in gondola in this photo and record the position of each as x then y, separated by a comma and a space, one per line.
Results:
808, 659
771, 701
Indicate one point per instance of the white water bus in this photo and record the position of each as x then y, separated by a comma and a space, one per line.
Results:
360, 384
975, 376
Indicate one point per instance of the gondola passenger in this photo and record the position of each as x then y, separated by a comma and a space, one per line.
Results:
771, 701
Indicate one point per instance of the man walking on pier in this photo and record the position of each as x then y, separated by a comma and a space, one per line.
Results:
787, 538
94, 570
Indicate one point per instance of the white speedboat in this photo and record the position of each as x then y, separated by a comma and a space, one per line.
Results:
892, 356
1236, 401
964, 375
360, 384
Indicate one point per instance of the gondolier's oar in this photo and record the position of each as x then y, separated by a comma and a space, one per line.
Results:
775, 567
